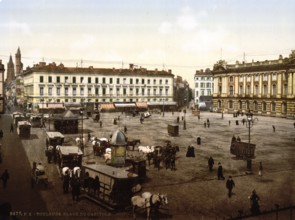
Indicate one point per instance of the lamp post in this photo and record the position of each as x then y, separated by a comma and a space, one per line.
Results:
82, 113
163, 106
249, 125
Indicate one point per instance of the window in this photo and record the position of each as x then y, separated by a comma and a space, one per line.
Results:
240, 105
137, 91
208, 85
265, 77
202, 85
231, 90
131, 91
219, 104
111, 91
197, 85
118, 80
96, 91
118, 91
247, 105
66, 79
50, 91
248, 89
104, 80
274, 76
202, 92
124, 91
74, 91
166, 82
273, 106
104, 91
274, 89
58, 79
263, 106
41, 79
155, 82
166, 92
241, 90
142, 81
285, 76
241, 78
264, 89
111, 80
285, 89
148, 81
209, 92
155, 91
58, 91
131, 81
142, 91
255, 106
137, 81
89, 90
74, 79
82, 91
96, 80
89, 79
50, 79
81, 79
66, 91
231, 79
230, 104
160, 82
41, 91
161, 93
256, 77
256, 90
248, 78
149, 92
219, 89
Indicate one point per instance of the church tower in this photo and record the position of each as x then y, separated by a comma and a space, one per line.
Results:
18, 63
10, 70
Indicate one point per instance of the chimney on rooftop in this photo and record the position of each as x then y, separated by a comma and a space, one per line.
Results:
131, 66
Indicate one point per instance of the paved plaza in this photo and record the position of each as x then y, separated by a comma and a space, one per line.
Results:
193, 191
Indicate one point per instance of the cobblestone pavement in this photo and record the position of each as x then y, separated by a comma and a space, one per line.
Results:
193, 191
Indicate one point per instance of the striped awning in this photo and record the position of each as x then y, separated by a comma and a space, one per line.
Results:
105, 106
122, 105
50, 105
162, 103
141, 104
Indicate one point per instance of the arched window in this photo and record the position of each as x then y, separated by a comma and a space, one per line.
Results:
240, 104
263, 106
284, 107
273, 106
247, 105
231, 90
230, 104
231, 78
255, 106
274, 89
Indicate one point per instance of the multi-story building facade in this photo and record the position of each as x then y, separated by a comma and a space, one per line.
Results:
59, 84
203, 84
265, 88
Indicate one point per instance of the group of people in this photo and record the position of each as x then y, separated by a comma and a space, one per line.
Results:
230, 184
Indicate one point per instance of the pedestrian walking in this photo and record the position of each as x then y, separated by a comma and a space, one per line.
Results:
66, 182
5, 178
238, 139
274, 128
89, 136
254, 198
230, 184
100, 124
11, 128
233, 139
229, 123
260, 169
96, 186
205, 124
125, 129
210, 163
220, 172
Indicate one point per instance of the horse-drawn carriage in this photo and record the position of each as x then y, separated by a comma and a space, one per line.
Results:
100, 145
24, 129
53, 139
38, 175
69, 156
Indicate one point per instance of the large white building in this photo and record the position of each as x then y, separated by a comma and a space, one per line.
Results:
59, 84
203, 84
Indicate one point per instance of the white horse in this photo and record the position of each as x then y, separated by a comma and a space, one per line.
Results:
79, 141
108, 155
146, 149
148, 201
77, 172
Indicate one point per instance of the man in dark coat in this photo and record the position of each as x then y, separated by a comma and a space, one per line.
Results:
230, 184
210, 163
255, 208
220, 172
66, 182
76, 190
5, 178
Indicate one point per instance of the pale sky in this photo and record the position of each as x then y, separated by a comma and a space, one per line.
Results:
181, 35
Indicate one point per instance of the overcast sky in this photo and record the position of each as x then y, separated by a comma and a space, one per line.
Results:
182, 35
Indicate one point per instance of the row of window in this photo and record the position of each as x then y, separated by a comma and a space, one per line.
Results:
102, 100
256, 77
104, 91
104, 80
203, 92
273, 106
256, 90
204, 78
203, 85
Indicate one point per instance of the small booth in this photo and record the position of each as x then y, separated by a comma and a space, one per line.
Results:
242, 149
69, 156
24, 129
66, 123
118, 145
173, 129
116, 185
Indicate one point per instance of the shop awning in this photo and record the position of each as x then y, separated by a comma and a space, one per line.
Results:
105, 106
122, 105
162, 103
50, 105
141, 104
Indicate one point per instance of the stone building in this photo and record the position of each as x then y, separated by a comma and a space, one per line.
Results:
2, 94
10, 75
59, 84
262, 87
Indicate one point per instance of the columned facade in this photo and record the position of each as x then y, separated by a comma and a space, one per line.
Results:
264, 88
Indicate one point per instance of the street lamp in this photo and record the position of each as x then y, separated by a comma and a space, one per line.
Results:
82, 113
249, 125
163, 106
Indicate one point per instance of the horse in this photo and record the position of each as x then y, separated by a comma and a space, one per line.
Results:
146, 149
133, 143
148, 201
79, 141
108, 155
